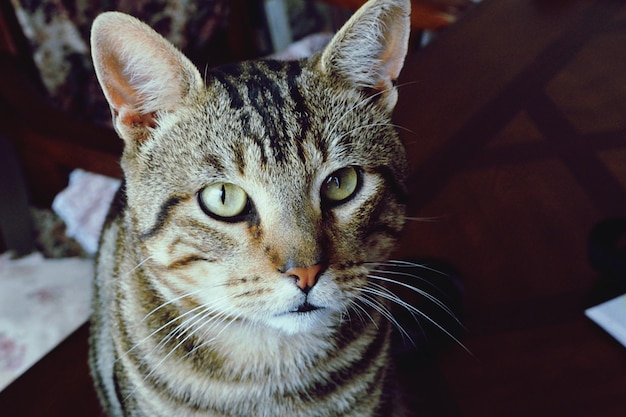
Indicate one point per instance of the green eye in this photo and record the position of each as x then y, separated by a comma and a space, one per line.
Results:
340, 185
223, 200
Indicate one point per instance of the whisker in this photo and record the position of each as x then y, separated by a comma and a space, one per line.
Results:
406, 274
368, 126
365, 101
207, 311
404, 84
183, 327
423, 293
417, 311
406, 264
137, 266
362, 309
430, 219
173, 300
223, 318
378, 306
169, 336
155, 332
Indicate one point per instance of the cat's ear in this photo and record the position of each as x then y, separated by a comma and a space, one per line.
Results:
141, 73
370, 48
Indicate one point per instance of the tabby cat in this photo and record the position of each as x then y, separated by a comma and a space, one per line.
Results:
234, 276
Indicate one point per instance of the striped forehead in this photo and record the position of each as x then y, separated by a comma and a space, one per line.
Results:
272, 111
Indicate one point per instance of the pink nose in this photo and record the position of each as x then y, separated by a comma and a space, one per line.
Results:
307, 277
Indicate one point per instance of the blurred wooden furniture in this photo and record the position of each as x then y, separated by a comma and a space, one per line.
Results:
517, 120
515, 123
425, 14
50, 143
16, 232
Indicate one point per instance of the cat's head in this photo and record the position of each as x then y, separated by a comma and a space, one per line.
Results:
267, 191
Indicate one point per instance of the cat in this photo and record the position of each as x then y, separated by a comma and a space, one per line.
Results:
235, 269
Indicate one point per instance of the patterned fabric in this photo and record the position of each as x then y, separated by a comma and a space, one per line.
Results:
58, 31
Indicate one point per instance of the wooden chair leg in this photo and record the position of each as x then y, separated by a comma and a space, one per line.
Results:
16, 231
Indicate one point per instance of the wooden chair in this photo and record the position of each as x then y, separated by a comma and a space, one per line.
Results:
425, 14
48, 142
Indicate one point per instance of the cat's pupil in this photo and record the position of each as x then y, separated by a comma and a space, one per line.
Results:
223, 197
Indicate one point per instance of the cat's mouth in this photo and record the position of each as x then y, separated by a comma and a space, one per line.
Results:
303, 318
306, 307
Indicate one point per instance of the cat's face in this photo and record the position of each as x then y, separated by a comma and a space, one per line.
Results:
230, 197
265, 196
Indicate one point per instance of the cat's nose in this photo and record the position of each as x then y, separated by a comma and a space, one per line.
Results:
305, 277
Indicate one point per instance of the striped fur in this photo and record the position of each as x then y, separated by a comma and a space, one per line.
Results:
197, 314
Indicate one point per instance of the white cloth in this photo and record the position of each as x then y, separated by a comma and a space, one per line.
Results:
42, 301
83, 206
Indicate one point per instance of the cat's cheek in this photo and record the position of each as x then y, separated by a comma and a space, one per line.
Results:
345, 213
379, 247
329, 294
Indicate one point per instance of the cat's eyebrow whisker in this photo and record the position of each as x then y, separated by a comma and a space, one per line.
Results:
341, 117
368, 126
206, 71
365, 101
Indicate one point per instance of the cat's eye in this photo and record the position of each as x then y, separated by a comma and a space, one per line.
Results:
223, 201
340, 186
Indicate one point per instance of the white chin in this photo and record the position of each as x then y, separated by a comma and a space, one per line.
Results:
294, 323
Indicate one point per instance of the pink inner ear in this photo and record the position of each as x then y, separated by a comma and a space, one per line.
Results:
392, 59
120, 93
131, 118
